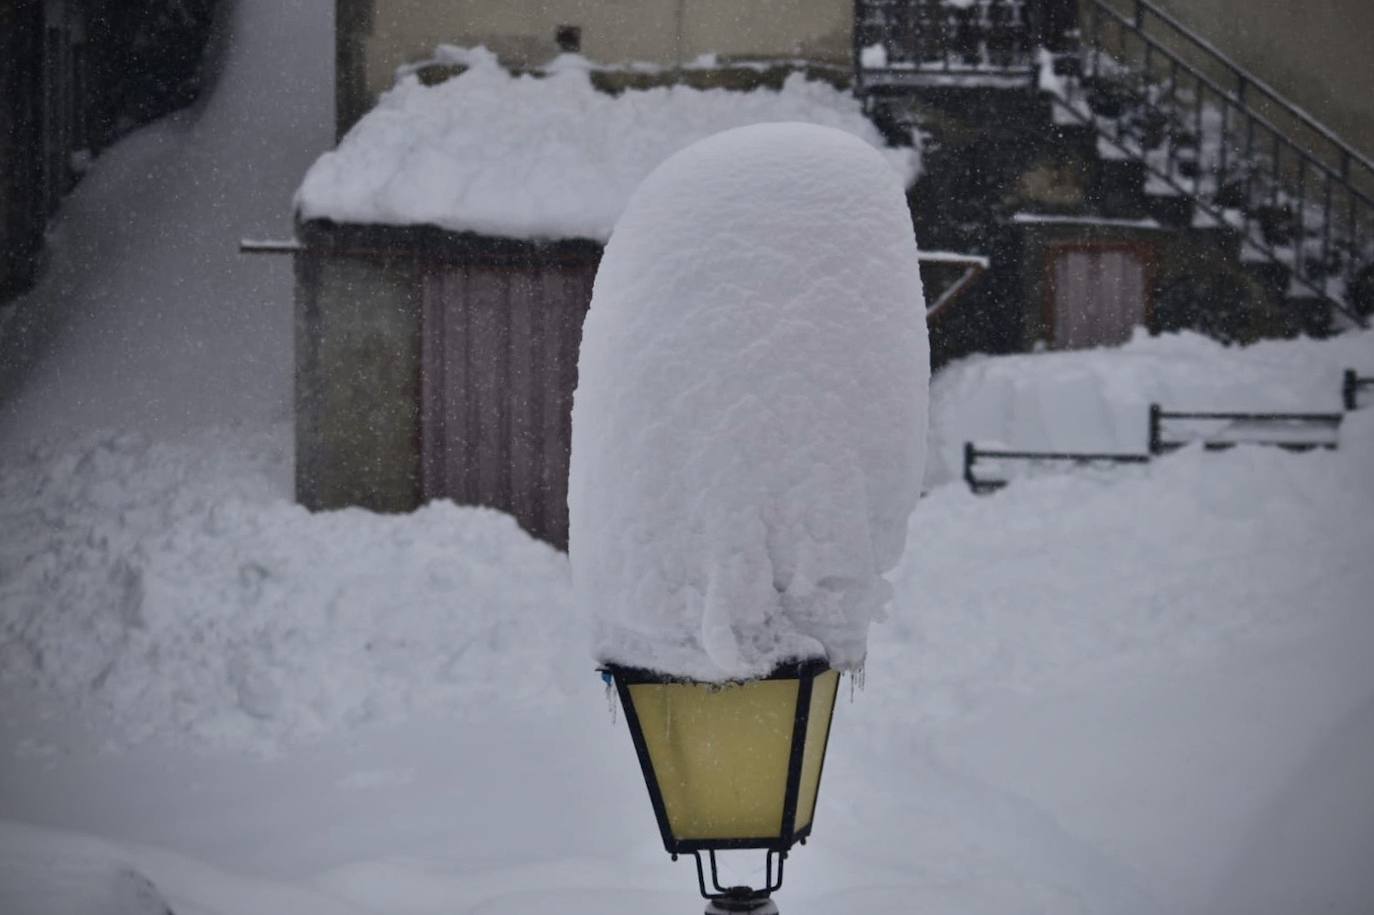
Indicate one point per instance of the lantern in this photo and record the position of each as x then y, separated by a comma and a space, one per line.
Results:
732, 765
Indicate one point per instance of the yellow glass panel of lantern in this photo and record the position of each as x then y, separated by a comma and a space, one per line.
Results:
823, 691
719, 754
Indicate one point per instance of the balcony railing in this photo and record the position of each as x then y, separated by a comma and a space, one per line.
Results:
947, 42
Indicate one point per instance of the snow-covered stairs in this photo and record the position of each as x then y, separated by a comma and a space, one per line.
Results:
1215, 147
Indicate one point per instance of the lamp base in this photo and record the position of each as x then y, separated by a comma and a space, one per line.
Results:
728, 906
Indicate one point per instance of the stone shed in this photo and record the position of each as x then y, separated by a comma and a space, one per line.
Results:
445, 257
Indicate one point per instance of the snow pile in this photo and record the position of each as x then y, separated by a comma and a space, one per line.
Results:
539, 157
42, 872
168, 588
749, 424
1099, 400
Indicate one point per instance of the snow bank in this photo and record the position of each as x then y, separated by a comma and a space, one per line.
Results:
749, 423
170, 590
539, 157
42, 872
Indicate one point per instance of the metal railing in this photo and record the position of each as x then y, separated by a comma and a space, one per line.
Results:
1351, 385
1170, 430
973, 454
1249, 158
1292, 431
935, 42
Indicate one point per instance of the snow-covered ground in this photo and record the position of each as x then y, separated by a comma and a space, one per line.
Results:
1144, 689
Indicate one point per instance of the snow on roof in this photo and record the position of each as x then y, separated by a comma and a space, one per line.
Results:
540, 157
748, 439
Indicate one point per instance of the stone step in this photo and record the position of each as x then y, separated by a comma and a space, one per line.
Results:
1118, 187
1171, 210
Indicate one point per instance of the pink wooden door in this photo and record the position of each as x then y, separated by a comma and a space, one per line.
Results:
499, 366
1097, 295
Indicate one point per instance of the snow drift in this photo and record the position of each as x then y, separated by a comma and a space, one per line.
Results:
539, 157
749, 424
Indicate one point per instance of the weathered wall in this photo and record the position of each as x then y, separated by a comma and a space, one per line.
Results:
665, 32
437, 365
357, 382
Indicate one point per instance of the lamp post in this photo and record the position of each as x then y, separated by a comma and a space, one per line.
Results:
731, 766
748, 440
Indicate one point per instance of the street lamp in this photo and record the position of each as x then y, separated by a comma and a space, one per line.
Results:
732, 765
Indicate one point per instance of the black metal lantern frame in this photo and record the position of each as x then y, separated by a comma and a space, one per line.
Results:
777, 847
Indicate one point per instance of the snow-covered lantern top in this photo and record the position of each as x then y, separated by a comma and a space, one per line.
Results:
749, 423
748, 442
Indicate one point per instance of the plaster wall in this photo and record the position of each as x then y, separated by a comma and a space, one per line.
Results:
664, 32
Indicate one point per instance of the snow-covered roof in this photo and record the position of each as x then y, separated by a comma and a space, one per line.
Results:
547, 156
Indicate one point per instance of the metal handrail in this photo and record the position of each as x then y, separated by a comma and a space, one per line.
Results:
1159, 445
1246, 77
972, 454
1330, 223
1351, 383
1299, 195
1218, 214
1238, 100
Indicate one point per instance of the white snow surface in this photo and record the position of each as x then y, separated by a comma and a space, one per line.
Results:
540, 156
749, 423
1143, 690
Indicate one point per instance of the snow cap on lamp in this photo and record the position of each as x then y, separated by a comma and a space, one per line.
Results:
749, 424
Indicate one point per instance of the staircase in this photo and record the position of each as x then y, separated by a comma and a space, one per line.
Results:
1214, 146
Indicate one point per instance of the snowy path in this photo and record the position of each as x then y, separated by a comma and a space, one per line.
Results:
1143, 690
148, 318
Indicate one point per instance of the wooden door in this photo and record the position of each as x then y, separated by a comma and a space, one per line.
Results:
1096, 294
499, 365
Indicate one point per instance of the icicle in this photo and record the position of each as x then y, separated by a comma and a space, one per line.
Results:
610, 694
856, 679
